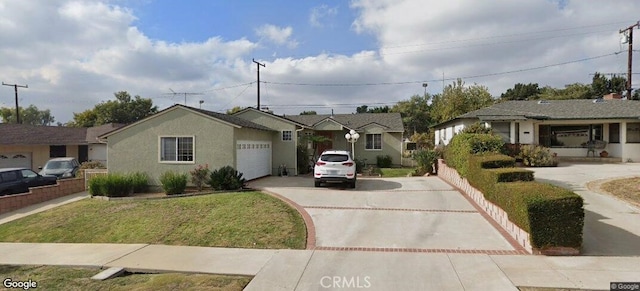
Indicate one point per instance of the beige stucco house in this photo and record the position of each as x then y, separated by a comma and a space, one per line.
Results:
566, 126
256, 143
31, 146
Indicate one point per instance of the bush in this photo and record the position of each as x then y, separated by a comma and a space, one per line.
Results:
425, 159
111, 185
303, 159
537, 156
200, 176
384, 161
226, 178
477, 128
465, 144
92, 165
139, 182
173, 183
360, 165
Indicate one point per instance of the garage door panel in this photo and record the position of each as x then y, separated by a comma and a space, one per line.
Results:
253, 158
15, 160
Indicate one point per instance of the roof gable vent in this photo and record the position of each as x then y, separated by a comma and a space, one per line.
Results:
598, 100
544, 102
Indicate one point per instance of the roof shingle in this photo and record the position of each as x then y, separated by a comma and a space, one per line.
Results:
392, 121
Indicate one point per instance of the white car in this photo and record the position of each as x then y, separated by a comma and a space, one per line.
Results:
335, 167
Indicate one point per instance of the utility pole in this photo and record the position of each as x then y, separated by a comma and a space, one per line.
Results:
258, 66
628, 32
15, 88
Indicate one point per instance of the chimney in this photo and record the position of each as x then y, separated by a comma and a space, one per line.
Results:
612, 96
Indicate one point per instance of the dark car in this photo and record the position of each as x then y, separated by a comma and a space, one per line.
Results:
19, 180
61, 168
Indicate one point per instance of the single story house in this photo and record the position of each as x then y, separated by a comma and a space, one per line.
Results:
31, 146
255, 142
565, 126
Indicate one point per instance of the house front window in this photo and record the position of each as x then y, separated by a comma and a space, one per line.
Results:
569, 136
503, 129
177, 149
614, 133
373, 141
287, 135
633, 132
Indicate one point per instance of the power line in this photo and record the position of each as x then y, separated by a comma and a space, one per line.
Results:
174, 93
15, 88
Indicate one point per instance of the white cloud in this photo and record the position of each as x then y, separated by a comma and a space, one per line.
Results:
79, 53
277, 35
319, 14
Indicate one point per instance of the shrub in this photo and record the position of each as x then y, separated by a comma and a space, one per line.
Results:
92, 165
360, 165
303, 159
425, 159
226, 178
537, 156
96, 185
200, 176
465, 144
139, 182
111, 185
477, 128
173, 183
384, 161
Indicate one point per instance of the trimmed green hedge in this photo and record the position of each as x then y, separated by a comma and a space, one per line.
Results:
553, 216
464, 144
118, 185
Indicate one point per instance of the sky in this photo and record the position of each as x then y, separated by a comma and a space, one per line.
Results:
323, 56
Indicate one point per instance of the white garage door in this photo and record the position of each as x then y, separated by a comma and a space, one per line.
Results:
254, 158
15, 160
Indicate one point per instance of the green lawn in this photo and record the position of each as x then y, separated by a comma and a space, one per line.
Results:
243, 220
64, 278
396, 172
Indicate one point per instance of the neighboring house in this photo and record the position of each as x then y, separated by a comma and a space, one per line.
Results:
380, 134
255, 142
97, 147
566, 126
31, 146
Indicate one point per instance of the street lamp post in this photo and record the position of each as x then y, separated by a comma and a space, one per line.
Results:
352, 136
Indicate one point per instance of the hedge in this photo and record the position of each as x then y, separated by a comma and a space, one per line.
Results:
553, 216
465, 144
118, 185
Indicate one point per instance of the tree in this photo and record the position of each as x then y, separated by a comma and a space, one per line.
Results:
458, 99
366, 109
308, 113
415, 112
362, 109
571, 91
30, 115
234, 110
601, 85
522, 92
122, 110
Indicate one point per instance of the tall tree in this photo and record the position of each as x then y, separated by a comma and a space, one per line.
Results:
30, 115
308, 113
522, 92
458, 99
382, 109
601, 85
234, 110
122, 110
571, 91
362, 109
416, 114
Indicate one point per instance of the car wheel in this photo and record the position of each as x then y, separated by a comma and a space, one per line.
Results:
317, 183
352, 184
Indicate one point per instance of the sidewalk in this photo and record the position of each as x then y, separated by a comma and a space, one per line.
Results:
40, 207
323, 270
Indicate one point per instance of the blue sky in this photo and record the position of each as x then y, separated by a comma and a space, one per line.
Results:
319, 55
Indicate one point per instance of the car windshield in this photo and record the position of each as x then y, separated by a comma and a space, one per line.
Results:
58, 165
334, 158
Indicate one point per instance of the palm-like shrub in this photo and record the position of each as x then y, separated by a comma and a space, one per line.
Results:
226, 178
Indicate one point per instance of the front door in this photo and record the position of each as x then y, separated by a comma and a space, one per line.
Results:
325, 145
83, 153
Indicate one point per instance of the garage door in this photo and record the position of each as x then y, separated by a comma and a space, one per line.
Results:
15, 160
254, 158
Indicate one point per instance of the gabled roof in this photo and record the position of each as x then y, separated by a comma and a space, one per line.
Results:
282, 118
225, 118
392, 121
94, 132
23, 134
562, 109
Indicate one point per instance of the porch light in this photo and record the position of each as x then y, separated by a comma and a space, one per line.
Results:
352, 136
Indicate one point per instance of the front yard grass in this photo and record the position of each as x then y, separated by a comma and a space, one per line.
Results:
396, 172
66, 278
242, 220
627, 189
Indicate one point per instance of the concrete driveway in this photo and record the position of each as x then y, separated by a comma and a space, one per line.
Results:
612, 227
406, 214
